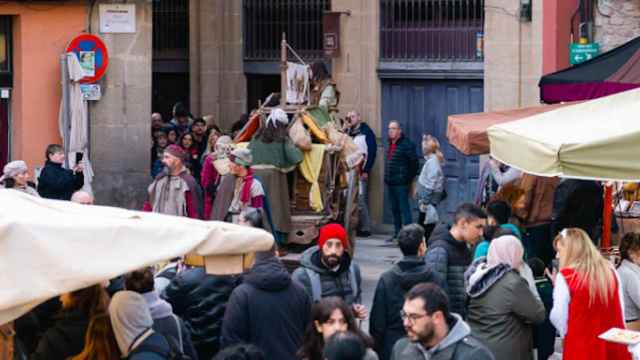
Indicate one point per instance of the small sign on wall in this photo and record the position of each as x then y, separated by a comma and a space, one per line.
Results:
117, 18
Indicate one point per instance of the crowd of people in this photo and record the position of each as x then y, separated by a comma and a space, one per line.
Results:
509, 274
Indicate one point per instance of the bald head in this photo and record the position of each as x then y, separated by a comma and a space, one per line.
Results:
395, 131
82, 197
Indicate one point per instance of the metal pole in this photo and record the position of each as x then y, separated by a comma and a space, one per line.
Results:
66, 111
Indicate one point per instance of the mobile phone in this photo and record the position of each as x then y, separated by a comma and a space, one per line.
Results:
555, 265
79, 157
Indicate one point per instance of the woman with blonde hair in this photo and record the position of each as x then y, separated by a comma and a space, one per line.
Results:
587, 299
430, 189
99, 342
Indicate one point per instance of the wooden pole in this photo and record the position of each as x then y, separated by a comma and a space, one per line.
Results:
607, 211
283, 70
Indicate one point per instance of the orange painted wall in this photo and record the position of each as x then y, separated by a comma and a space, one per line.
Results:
41, 32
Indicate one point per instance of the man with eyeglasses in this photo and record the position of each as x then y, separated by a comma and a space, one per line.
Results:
433, 332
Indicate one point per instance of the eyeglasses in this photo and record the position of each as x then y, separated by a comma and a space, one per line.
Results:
411, 317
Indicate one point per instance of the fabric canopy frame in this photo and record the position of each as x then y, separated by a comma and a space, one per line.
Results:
50, 247
612, 72
595, 140
468, 132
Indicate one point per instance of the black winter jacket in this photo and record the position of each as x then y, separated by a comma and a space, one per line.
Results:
174, 327
268, 310
402, 167
450, 259
199, 299
56, 182
385, 324
65, 339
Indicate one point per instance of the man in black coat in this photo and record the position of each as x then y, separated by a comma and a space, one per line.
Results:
268, 310
56, 182
385, 324
401, 168
449, 254
200, 300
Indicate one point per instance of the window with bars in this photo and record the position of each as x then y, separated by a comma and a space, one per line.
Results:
264, 21
431, 30
171, 29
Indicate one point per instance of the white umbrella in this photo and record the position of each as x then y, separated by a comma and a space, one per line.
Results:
597, 139
50, 247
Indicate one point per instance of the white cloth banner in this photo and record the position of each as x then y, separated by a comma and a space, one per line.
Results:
297, 83
50, 247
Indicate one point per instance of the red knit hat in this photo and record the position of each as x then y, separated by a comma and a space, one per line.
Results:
333, 231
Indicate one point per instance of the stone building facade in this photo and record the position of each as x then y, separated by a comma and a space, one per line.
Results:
616, 22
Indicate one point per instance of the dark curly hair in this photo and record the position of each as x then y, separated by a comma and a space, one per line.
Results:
630, 242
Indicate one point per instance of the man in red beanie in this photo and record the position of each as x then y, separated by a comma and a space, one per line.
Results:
327, 270
174, 191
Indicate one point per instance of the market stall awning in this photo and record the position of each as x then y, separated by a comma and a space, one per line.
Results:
609, 73
597, 139
50, 247
468, 132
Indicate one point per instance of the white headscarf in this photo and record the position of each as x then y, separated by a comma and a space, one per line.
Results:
130, 318
13, 169
506, 249
278, 116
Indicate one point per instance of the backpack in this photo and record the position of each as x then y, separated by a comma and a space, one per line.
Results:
316, 283
174, 353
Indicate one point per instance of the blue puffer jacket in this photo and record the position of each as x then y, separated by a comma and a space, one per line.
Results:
450, 258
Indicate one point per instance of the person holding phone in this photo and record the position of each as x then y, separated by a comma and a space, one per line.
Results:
56, 182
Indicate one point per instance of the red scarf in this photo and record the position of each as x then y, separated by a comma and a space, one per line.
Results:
245, 194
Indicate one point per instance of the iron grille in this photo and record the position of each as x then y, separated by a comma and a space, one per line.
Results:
431, 30
266, 20
171, 29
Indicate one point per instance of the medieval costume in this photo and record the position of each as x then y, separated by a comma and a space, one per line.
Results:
178, 195
274, 156
324, 93
236, 193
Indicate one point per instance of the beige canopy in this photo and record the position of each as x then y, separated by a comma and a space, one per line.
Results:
468, 132
598, 139
50, 247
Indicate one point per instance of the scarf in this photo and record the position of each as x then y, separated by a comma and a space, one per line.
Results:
506, 249
158, 307
247, 181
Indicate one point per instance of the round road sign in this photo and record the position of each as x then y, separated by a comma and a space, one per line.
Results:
91, 43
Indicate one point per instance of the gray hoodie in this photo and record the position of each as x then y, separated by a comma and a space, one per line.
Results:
334, 282
457, 345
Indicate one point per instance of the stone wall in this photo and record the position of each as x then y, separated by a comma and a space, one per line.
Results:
513, 55
616, 22
120, 141
355, 72
218, 83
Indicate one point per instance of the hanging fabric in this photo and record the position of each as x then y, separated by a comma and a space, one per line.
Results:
297, 83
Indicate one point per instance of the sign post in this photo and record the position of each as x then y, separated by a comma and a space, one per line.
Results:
579, 53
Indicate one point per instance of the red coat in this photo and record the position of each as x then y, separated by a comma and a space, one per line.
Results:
586, 322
